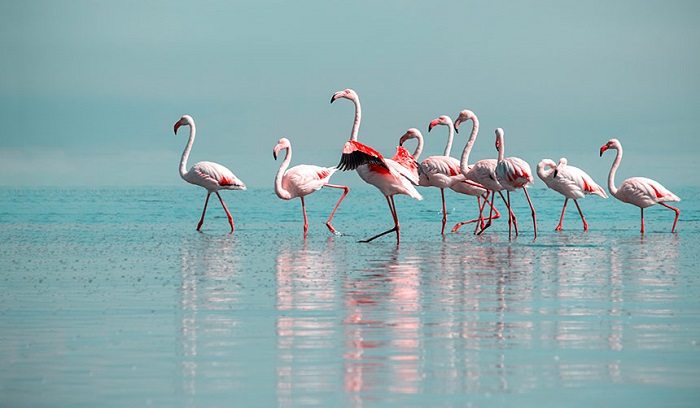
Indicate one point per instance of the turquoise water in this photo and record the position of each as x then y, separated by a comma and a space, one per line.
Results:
111, 298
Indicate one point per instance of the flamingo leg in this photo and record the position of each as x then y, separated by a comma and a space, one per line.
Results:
563, 210
678, 213
492, 216
642, 220
201, 220
515, 221
481, 209
397, 227
345, 192
303, 210
480, 220
444, 211
585, 224
534, 214
228, 214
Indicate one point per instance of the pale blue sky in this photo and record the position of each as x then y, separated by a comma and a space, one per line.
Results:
90, 90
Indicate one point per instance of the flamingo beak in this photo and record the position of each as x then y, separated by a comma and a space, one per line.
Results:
274, 155
602, 149
555, 173
177, 126
431, 126
456, 125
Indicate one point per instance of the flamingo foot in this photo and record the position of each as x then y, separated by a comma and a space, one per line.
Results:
333, 230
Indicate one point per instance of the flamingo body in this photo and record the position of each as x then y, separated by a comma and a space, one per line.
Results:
644, 192
209, 175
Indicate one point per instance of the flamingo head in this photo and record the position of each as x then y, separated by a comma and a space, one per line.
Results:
499, 139
347, 94
464, 116
612, 144
185, 120
544, 164
411, 133
281, 145
442, 120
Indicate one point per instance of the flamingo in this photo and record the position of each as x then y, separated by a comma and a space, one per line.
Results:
397, 175
639, 191
441, 171
302, 180
212, 176
569, 181
513, 173
481, 172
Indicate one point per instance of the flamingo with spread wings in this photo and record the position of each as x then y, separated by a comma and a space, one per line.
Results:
397, 175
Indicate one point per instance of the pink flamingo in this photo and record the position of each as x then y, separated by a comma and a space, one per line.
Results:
513, 173
391, 176
569, 181
481, 172
442, 171
639, 191
302, 180
212, 176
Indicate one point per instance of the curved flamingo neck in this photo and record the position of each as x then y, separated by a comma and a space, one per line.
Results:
358, 118
186, 152
450, 138
464, 161
501, 148
419, 148
613, 169
541, 166
279, 190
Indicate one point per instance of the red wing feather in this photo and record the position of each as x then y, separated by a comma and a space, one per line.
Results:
356, 154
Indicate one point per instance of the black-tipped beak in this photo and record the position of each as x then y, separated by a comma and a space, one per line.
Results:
176, 127
456, 127
555, 173
332, 98
274, 155
602, 149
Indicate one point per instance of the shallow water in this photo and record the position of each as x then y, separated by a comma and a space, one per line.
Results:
111, 298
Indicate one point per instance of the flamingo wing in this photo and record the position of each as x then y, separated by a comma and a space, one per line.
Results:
406, 160
441, 165
304, 179
356, 154
212, 175
514, 172
584, 182
644, 192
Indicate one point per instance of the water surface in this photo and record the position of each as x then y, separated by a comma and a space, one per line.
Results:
111, 298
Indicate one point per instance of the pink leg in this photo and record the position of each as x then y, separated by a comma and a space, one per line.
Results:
303, 210
642, 220
228, 214
444, 211
480, 219
561, 219
397, 227
492, 216
328, 223
532, 210
678, 213
585, 224
201, 220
